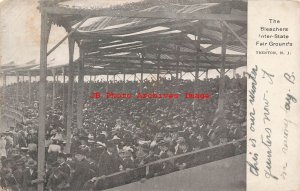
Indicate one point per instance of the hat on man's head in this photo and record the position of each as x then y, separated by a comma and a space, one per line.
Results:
16, 157
115, 138
99, 144
31, 163
20, 163
163, 143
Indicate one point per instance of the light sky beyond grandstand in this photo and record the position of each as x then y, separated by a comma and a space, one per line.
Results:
20, 37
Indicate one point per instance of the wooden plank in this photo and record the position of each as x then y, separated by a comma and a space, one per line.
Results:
136, 28
150, 44
64, 96
137, 14
170, 53
70, 94
67, 36
117, 66
17, 87
235, 34
136, 60
53, 88
42, 99
29, 88
158, 68
222, 71
142, 71
80, 95
3, 89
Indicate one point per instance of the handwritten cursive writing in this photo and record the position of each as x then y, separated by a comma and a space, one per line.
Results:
268, 143
252, 77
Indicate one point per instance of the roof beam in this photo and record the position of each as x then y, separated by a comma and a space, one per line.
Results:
235, 34
193, 54
137, 14
169, 62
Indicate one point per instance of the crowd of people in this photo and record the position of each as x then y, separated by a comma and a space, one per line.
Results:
118, 134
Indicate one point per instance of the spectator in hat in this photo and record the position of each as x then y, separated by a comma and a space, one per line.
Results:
75, 143
151, 157
32, 146
9, 142
109, 161
8, 180
30, 176
53, 150
60, 175
58, 134
22, 139
182, 146
141, 153
166, 166
82, 172
128, 161
18, 172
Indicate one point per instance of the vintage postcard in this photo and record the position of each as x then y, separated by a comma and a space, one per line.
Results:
150, 95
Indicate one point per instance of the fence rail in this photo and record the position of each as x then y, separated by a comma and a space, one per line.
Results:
191, 159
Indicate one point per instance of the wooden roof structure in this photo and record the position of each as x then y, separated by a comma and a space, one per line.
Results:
161, 32
119, 37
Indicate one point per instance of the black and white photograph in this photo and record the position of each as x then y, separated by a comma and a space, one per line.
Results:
123, 95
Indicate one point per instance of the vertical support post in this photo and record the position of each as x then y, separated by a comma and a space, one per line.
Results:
206, 74
80, 95
222, 71
4, 87
3, 97
53, 88
29, 88
196, 84
233, 73
17, 88
107, 82
158, 70
134, 79
70, 93
45, 30
22, 87
177, 67
142, 73
196, 75
90, 85
64, 96
124, 78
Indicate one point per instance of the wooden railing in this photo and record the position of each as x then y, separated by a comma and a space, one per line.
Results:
192, 159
